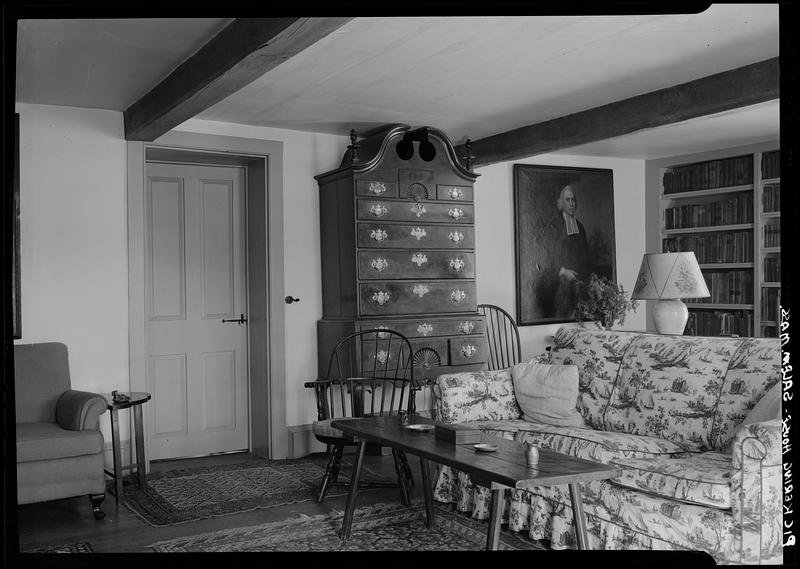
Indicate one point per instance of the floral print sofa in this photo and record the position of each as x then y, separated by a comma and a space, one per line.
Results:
667, 410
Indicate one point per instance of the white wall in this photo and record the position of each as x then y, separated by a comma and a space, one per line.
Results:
494, 235
73, 241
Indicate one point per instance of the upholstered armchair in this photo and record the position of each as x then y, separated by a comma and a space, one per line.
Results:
59, 443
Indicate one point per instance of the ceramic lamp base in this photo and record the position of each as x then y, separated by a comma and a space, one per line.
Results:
670, 316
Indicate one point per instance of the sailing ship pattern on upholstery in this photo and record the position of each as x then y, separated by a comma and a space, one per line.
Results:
596, 373
668, 389
753, 368
475, 396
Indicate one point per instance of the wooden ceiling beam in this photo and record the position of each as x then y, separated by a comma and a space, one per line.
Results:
732, 89
242, 52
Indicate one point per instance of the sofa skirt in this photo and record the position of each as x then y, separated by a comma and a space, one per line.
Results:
43, 480
616, 518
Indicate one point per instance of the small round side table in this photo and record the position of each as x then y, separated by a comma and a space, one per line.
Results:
136, 400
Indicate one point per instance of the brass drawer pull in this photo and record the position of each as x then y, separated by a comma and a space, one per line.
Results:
378, 235
419, 233
456, 236
419, 258
418, 209
456, 264
378, 210
424, 329
381, 297
466, 327
455, 193
456, 213
379, 264
377, 188
468, 350
458, 296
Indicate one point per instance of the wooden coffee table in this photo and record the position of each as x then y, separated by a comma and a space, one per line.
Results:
500, 470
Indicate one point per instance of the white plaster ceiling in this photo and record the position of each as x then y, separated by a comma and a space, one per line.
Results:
103, 63
468, 76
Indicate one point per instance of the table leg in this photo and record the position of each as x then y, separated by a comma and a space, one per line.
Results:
495, 515
427, 491
141, 470
579, 516
351, 497
117, 456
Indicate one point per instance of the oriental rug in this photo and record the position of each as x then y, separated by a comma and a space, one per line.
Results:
186, 495
380, 527
81, 547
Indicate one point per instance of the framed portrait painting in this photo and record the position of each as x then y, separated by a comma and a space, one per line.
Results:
564, 232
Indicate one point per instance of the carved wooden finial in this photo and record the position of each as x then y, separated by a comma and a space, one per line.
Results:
354, 146
468, 157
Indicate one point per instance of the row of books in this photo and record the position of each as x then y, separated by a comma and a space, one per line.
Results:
735, 210
721, 173
733, 247
719, 323
770, 298
728, 287
772, 269
771, 164
772, 234
771, 198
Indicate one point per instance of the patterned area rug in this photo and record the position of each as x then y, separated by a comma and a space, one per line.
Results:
179, 496
381, 527
81, 547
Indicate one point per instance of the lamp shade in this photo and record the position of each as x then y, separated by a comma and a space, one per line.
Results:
669, 276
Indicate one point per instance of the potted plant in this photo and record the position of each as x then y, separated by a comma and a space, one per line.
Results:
601, 300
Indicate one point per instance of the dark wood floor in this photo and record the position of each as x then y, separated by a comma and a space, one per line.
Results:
71, 521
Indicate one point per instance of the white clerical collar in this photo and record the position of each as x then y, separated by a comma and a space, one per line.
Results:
572, 225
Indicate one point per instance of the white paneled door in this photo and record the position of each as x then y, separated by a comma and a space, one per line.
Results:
195, 281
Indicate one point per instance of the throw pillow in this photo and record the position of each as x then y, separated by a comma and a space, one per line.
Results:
768, 407
547, 393
486, 395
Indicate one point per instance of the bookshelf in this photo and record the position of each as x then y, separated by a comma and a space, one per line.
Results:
727, 210
768, 273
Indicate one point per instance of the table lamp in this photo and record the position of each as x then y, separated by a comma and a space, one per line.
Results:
669, 277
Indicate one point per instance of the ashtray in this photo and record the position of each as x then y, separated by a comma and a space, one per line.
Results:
420, 427
483, 447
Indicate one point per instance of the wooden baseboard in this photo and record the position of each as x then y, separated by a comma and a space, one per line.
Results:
302, 441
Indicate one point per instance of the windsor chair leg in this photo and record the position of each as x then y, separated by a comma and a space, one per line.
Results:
331, 472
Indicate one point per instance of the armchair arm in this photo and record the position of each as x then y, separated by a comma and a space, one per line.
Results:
756, 491
80, 410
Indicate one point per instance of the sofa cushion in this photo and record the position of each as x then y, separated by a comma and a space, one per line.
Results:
46, 441
668, 387
703, 478
547, 393
601, 446
754, 367
597, 353
475, 396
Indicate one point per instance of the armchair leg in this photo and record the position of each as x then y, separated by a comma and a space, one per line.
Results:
96, 500
331, 472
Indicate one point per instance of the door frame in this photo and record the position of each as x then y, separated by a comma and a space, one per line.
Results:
265, 288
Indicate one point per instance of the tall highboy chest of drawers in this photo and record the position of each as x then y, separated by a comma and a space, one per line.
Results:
398, 249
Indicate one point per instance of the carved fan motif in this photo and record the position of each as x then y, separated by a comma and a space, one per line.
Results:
426, 358
417, 191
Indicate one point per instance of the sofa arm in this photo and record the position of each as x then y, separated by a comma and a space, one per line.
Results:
80, 410
756, 491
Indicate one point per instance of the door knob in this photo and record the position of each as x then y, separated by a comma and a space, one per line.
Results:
290, 300
241, 320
